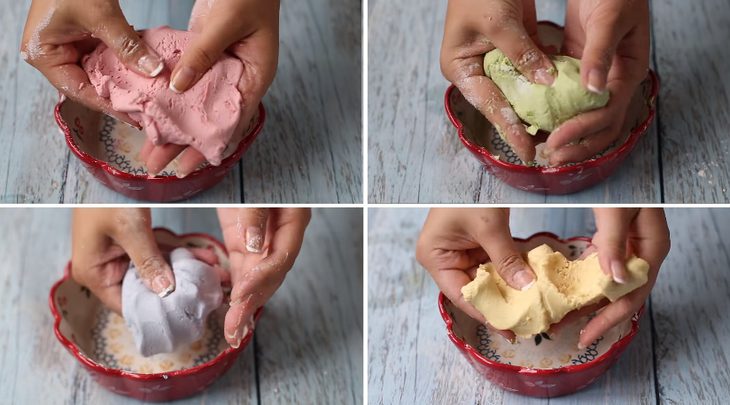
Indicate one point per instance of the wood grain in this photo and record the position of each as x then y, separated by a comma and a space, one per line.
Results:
308, 344
309, 150
679, 356
692, 57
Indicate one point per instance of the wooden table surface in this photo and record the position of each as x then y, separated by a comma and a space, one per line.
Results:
307, 347
309, 151
416, 157
681, 354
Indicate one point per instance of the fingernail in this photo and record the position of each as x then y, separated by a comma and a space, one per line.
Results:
151, 65
524, 278
617, 269
543, 76
182, 79
181, 174
163, 286
595, 81
254, 239
581, 346
236, 339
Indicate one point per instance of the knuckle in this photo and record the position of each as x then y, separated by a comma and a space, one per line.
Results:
149, 266
510, 263
202, 58
129, 46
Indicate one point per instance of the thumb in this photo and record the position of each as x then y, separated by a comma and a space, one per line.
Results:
603, 34
127, 45
141, 246
204, 51
613, 225
503, 253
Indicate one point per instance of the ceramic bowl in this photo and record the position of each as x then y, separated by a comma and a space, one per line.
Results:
483, 141
547, 365
109, 150
99, 339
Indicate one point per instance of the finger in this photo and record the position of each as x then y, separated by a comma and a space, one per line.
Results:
161, 156
74, 83
495, 238
576, 315
610, 316
486, 97
613, 225
146, 150
603, 33
205, 255
134, 233
114, 30
450, 282
189, 161
506, 334
254, 286
204, 51
111, 297
584, 149
251, 224
579, 127
507, 32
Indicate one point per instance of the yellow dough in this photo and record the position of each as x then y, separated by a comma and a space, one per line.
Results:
561, 286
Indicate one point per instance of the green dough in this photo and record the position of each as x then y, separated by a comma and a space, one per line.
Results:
543, 107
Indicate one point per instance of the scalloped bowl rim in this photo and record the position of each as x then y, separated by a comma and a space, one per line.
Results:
474, 354
100, 368
108, 168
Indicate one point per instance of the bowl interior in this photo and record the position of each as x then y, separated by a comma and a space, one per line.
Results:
103, 337
480, 132
118, 144
544, 351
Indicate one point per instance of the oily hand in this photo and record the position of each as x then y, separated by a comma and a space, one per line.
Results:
262, 246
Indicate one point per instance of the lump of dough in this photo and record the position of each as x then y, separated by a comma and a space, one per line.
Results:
204, 117
543, 107
159, 325
561, 286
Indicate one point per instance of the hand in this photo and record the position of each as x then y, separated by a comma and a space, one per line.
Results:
249, 30
104, 240
262, 245
59, 32
475, 27
621, 233
612, 40
454, 242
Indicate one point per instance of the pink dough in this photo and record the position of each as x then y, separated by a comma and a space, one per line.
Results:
204, 117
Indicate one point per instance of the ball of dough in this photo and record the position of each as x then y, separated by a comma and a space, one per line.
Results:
160, 325
561, 286
543, 107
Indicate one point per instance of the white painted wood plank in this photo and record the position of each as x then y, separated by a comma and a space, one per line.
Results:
414, 153
690, 302
693, 59
310, 149
309, 341
33, 159
410, 357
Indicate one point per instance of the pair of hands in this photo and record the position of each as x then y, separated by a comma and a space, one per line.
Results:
454, 242
610, 37
262, 245
58, 33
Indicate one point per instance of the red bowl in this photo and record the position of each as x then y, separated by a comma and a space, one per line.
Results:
109, 150
80, 318
483, 141
568, 375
